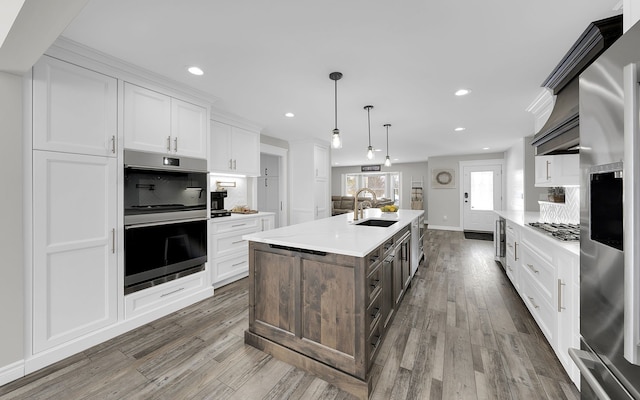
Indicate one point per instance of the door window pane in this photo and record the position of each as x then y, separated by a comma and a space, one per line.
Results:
481, 190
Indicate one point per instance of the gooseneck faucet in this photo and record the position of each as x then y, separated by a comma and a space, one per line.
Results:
355, 203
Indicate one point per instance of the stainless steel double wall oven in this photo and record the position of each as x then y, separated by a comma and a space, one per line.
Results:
165, 218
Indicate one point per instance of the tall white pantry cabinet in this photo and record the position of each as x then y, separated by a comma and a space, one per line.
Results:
310, 197
74, 163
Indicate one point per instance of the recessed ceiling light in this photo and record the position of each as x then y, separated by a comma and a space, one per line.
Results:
377, 149
485, 148
195, 71
463, 92
289, 115
459, 129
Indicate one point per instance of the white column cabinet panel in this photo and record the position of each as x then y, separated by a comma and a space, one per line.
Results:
220, 145
74, 254
74, 109
310, 173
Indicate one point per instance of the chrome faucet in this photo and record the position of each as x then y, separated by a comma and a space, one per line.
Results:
355, 203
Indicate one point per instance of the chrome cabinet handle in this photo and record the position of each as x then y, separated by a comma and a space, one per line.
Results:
234, 164
237, 241
515, 251
237, 225
175, 144
560, 285
533, 302
532, 268
169, 143
237, 264
548, 177
113, 241
170, 293
113, 144
230, 164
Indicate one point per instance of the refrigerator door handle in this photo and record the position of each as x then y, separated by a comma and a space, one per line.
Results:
578, 357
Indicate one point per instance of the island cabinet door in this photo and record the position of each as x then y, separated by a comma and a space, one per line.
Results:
313, 304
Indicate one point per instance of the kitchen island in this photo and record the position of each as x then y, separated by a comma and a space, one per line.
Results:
323, 293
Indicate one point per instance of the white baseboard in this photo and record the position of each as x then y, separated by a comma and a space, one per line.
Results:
444, 228
11, 372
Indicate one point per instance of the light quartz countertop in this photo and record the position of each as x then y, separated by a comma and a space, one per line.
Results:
522, 218
338, 234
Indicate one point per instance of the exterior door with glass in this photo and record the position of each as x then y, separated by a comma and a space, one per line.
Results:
481, 194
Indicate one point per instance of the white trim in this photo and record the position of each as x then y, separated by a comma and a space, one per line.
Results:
473, 163
284, 181
11, 372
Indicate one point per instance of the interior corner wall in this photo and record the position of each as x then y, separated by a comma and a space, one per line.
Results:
409, 171
532, 194
444, 204
514, 174
12, 285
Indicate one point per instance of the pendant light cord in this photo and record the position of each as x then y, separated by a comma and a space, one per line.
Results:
336, 102
369, 123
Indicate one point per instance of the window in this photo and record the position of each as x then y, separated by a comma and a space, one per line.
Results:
482, 190
385, 185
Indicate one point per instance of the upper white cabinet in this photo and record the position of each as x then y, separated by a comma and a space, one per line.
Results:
557, 170
310, 183
159, 123
234, 150
74, 109
75, 288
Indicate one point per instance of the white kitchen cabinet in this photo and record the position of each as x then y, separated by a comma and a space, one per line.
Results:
512, 232
310, 181
568, 309
228, 252
234, 150
74, 246
557, 170
158, 123
74, 109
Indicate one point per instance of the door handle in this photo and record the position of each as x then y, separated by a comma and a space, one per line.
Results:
466, 197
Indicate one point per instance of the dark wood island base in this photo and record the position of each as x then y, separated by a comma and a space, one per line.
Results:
327, 313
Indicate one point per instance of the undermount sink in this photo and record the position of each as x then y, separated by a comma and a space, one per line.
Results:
377, 222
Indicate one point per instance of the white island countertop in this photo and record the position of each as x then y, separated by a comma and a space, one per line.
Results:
523, 218
338, 234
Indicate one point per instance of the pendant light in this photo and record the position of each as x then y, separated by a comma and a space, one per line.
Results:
369, 149
336, 142
387, 161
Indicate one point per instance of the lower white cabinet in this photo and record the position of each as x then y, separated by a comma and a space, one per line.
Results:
159, 296
228, 252
74, 246
513, 254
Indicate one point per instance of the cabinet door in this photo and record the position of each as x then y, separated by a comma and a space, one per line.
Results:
147, 119
543, 170
245, 151
220, 147
567, 170
74, 260
321, 160
398, 283
188, 129
74, 109
322, 200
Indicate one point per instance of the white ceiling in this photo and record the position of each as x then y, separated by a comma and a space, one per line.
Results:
406, 58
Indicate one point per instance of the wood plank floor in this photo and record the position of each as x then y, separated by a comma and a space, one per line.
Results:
462, 332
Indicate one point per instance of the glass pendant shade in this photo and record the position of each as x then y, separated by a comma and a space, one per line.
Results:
336, 141
370, 153
387, 162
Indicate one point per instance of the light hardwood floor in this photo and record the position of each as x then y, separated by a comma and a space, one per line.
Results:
462, 332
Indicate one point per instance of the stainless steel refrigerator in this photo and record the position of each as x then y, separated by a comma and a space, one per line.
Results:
610, 223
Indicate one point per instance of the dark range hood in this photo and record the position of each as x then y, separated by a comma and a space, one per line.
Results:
561, 133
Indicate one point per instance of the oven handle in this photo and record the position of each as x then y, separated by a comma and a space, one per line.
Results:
163, 223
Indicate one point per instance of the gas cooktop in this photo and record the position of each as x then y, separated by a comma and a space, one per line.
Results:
565, 232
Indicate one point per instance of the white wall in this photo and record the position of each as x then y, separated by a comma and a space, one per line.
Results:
514, 177
444, 204
11, 212
408, 170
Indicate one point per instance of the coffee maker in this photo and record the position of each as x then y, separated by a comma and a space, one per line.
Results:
217, 204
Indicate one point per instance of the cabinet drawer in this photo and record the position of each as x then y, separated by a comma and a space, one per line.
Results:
374, 312
374, 283
241, 224
387, 247
227, 244
540, 271
540, 308
374, 340
229, 267
157, 296
372, 260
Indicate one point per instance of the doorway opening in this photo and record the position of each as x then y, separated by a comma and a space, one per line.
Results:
481, 194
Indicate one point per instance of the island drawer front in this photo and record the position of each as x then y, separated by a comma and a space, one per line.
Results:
373, 259
374, 283
374, 341
253, 224
387, 247
374, 313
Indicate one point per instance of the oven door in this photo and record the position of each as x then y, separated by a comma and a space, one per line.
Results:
156, 253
